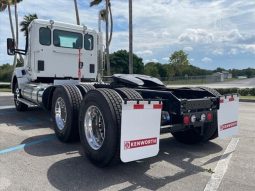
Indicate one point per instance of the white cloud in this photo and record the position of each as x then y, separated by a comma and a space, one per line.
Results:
233, 51
232, 36
191, 59
206, 60
144, 52
154, 60
151, 60
196, 36
250, 48
188, 48
218, 52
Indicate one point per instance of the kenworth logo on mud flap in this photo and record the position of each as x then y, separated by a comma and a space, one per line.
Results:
140, 143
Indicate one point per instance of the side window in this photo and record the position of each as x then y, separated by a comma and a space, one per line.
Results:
67, 39
88, 42
45, 36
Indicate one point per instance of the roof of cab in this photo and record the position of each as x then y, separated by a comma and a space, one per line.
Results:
61, 25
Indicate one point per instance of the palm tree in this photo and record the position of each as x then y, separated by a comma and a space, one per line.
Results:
4, 4
27, 19
15, 2
77, 12
7, 4
108, 39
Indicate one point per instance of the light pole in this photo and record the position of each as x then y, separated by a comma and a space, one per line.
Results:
77, 12
107, 38
131, 70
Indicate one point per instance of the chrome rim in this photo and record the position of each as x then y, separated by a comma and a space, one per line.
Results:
60, 113
16, 96
94, 127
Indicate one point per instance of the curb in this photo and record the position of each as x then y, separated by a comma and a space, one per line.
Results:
5, 94
247, 100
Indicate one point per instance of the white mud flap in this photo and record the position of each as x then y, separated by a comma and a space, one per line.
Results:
140, 130
228, 116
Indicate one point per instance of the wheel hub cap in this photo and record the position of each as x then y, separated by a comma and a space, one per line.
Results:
60, 113
94, 127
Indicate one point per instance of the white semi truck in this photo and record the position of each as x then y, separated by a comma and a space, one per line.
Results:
118, 120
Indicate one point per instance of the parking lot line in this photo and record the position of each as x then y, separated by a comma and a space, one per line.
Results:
22, 146
7, 107
221, 167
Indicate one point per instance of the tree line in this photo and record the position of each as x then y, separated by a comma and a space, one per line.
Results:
178, 66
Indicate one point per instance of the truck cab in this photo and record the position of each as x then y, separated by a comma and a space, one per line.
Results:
57, 50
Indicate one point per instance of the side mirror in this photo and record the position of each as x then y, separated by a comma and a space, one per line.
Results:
10, 46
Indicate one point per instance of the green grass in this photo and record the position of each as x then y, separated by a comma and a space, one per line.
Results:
198, 81
5, 90
248, 97
183, 82
231, 79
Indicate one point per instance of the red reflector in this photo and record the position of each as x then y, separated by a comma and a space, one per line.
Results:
138, 106
157, 106
186, 120
209, 116
231, 99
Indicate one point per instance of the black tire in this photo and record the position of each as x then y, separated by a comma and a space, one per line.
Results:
128, 93
108, 103
193, 136
84, 88
71, 97
18, 105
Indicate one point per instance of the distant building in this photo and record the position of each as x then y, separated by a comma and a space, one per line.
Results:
227, 75
241, 77
221, 76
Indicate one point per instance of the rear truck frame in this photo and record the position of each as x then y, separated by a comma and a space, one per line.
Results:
119, 120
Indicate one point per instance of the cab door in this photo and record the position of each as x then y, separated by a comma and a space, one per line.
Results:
40, 59
89, 58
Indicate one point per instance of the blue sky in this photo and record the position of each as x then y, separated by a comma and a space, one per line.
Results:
215, 33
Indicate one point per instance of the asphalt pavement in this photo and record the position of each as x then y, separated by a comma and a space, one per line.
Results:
31, 158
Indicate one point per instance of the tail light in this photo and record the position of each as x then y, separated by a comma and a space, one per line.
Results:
209, 116
186, 120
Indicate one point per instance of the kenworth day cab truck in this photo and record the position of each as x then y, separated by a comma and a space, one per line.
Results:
122, 119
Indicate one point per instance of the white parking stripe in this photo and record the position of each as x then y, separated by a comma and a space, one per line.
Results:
7, 107
221, 167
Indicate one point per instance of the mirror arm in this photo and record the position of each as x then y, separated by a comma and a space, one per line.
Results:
20, 51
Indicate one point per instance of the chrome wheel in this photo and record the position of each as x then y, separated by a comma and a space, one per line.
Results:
94, 127
60, 113
16, 96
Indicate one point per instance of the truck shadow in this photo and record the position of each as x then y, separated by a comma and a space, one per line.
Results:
31, 119
174, 162
49, 145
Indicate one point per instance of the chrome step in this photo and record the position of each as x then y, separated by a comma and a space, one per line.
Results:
28, 103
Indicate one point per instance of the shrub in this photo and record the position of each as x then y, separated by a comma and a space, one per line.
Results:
242, 92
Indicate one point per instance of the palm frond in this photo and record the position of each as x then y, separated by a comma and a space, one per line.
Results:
3, 5
95, 2
26, 22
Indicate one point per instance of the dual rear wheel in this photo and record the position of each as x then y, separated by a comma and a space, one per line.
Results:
96, 118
